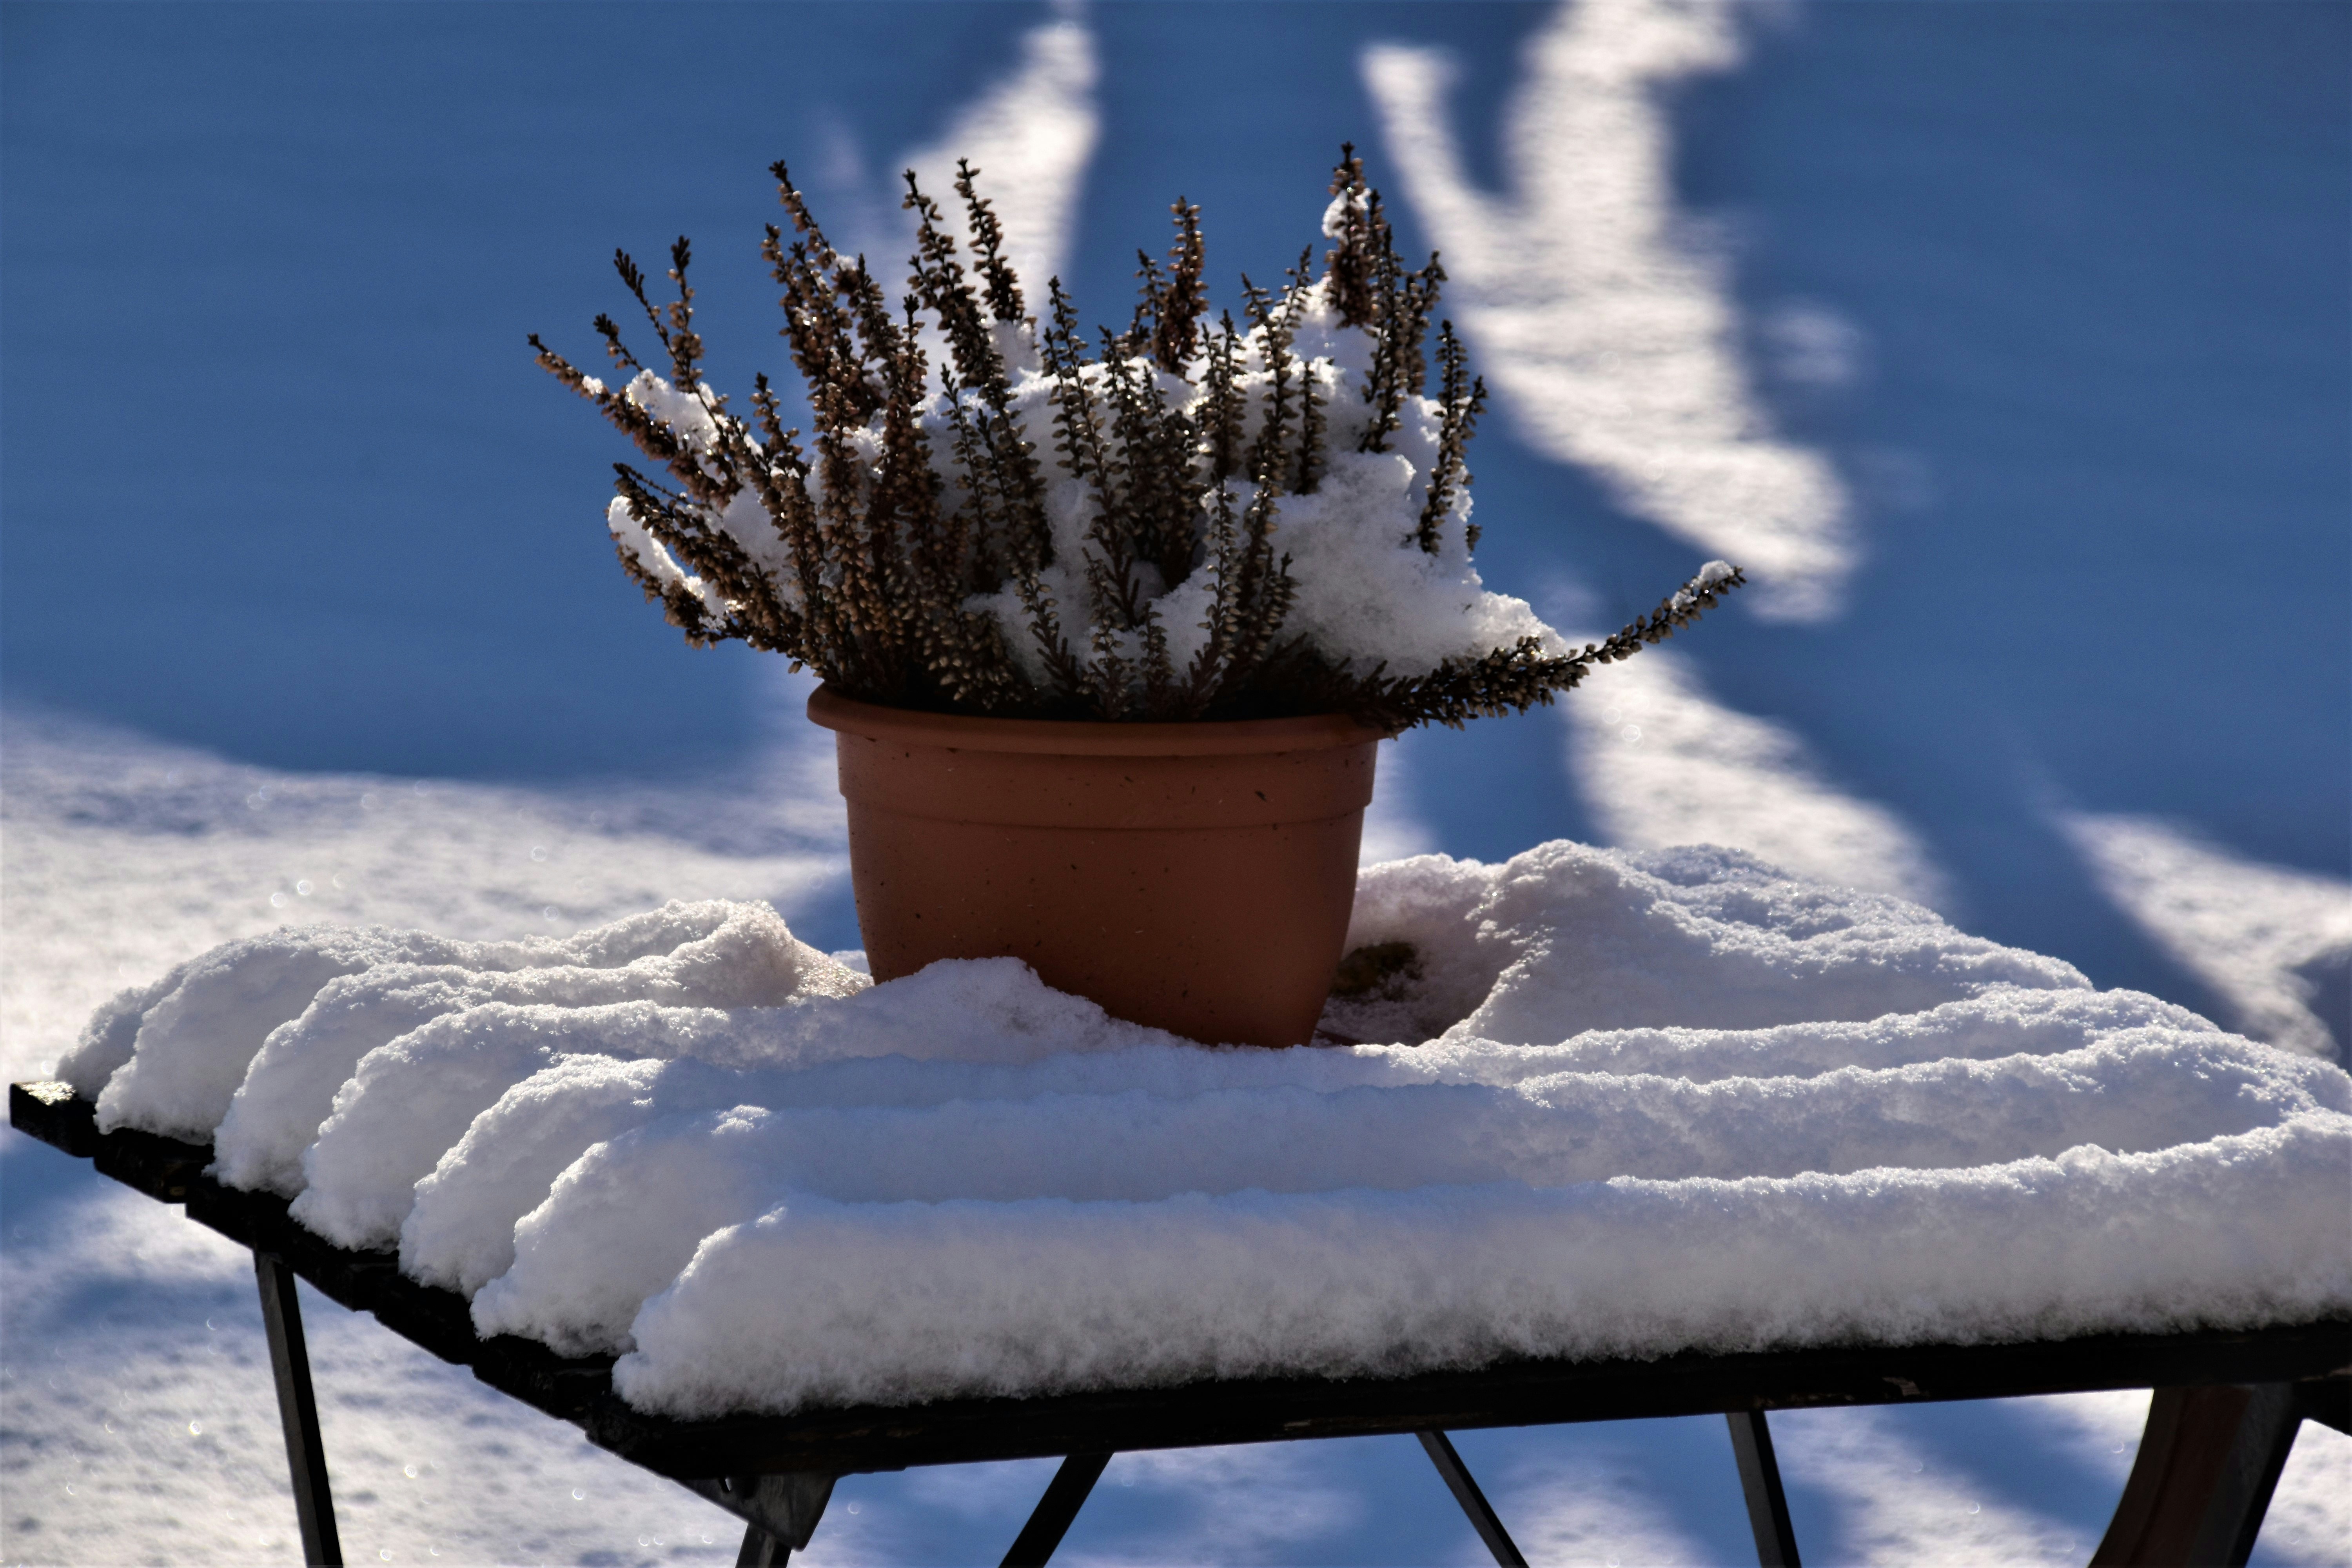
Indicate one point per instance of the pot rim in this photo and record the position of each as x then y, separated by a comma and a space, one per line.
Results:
1086, 738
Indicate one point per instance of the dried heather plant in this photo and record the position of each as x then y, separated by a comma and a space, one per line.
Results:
1182, 521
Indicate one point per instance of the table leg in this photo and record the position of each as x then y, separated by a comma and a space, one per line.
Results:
1759, 1482
780, 1511
297, 1409
761, 1549
1458, 1481
2208, 1459
1065, 1495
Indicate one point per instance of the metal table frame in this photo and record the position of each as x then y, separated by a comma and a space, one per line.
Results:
2226, 1411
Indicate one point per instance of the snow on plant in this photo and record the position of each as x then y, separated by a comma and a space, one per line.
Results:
1185, 519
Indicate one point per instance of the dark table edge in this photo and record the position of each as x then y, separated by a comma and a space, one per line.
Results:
1511, 1392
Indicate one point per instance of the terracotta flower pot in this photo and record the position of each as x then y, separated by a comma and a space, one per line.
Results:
1193, 877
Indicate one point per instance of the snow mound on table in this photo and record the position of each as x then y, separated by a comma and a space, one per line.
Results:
414, 1097
821, 1301
1564, 938
675, 1180
1658, 1102
167, 1059
994, 1014
713, 954
461, 1231
170, 1057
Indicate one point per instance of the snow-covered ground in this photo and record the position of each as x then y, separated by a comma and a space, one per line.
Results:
2005, 350
140, 1422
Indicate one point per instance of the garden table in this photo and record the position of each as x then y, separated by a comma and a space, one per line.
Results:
2226, 1410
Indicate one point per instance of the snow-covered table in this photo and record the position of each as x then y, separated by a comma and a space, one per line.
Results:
2228, 1407
1680, 1135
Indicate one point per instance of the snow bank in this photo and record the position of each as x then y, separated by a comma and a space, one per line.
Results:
1658, 1100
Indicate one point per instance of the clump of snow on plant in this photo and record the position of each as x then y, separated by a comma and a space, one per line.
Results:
1633, 1103
1368, 593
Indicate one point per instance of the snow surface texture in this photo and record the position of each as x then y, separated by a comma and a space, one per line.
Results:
1640, 1101
2275, 943
1661, 762
1611, 336
712, 954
